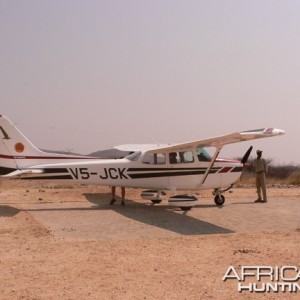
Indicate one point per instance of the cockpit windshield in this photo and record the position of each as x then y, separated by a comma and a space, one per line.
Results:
134, 156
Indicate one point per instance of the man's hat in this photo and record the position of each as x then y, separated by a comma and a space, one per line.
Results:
258, 151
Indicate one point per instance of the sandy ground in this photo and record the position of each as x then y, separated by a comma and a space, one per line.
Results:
67, 242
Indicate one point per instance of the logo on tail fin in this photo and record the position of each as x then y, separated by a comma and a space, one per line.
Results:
19, 147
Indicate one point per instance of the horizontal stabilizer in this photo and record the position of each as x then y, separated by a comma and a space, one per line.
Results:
25, 171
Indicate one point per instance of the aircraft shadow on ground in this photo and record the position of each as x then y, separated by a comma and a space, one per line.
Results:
161, 216
8, 211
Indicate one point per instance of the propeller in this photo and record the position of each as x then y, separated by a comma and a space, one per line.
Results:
246, 156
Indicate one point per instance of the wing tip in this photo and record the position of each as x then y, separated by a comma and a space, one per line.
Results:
278, 131
265, 131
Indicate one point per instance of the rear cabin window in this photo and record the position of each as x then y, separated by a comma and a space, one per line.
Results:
154, 159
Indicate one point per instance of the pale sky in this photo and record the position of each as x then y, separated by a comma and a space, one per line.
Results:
90, 74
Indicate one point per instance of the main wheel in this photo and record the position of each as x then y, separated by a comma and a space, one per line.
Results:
185, 208
219, 200
155, 201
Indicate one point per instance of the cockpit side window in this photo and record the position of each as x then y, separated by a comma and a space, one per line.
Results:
154, 159
203, 155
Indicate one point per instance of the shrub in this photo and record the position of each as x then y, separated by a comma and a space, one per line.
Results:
294, 178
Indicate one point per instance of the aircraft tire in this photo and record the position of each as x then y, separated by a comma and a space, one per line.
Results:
155, 201
219, 200
185, 208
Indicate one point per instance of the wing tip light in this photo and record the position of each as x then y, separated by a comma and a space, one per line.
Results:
277, 131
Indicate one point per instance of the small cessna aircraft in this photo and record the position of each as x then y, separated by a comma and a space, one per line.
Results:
185, 166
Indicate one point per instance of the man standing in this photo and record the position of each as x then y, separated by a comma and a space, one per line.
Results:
261, 170
113, 193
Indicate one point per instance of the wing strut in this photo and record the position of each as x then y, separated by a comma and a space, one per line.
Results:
211, 164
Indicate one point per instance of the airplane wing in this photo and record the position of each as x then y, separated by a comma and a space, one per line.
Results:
218, 141
140, 147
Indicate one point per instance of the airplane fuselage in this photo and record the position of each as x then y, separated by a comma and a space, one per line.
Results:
123, 172
186, 166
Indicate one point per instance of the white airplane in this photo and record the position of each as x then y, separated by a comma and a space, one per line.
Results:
185, 166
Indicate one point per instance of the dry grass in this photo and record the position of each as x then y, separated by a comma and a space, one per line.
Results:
294, 178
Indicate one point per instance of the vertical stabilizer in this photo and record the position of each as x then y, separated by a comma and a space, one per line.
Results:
17, 152
14, 143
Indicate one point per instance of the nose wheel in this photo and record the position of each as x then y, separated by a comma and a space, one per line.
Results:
219, 200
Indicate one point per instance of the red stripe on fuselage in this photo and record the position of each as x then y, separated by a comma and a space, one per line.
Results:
225, 170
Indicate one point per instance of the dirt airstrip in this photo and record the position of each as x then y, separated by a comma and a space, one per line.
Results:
67, 242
